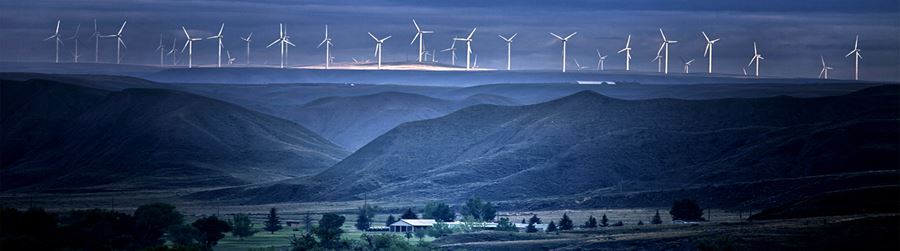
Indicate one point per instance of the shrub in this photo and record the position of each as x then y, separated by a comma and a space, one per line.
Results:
686, 210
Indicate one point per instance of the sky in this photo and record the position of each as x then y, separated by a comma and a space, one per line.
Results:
791, 35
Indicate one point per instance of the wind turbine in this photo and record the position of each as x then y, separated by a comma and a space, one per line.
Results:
162, 50
709, 49
173, 50
434, 55
665, 45
328, 45
564, 41
230, 59
856, 51
627, 51
378, 43
57, 40
508, 49
420, 34
119, 42
452, 51
577, 65
283, 41
687, 65
824, 68
600, 60
189, 44
248, 40
75, 37
756, 57
468, 41
219, 37
96, 37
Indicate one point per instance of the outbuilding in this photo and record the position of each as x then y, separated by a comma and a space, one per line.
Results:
411, 225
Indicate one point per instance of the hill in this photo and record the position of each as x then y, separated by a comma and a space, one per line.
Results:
60, 137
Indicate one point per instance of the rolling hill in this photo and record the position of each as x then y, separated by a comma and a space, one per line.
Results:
65, 137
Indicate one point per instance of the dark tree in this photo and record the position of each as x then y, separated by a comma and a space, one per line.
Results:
303, 243
390, 220
534, 220
590, 223
420, 234
364, 217
329, 230
273, 223
531, 228
640, 223
506, 225
408, 235
565, 223
439, 230
152, 220
241, 226
686, 210
551, 227
656, 219
479, 210
97, 229
618, 224
488, 213
604, 221
409, 214
183, 235
523, 221
211, 230
438, 212
28, 230
308, 222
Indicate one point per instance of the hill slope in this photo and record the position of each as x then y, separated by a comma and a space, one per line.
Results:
59, 136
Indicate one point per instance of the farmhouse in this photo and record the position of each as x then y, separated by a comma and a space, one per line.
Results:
411, 225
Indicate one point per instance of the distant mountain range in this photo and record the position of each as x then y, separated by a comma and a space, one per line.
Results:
58, 136
586, 142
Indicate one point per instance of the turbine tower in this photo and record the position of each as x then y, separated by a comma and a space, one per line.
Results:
452, 51
219, 37
508, 49
756, 57
328, 45
189, 44
75, 37
378, 43
825, 68
709, 50
658, 62
856, 58
119, 42
600, 60
57, 40
468, 41
627, 51
687, 65
283, 41
173, 50
564, 41
248, 40
162, 50
665, 45
420, 34
96, 37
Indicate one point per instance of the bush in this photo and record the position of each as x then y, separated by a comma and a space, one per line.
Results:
439, 230
242, 226
618, 224
211, 230
590, 223
304, 242
686, 210
385, 242
438, 212
506, 225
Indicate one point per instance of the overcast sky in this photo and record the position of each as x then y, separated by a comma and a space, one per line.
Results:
791, 34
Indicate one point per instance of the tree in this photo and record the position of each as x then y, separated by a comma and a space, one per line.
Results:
364, 217
604, 221
523, 221
97, 229
640, 223
385, 242
590, 223
307, 222
390, 220
687, 210
551, 227
438, 212
211, 230
439, 230
409, 214
530, 228
329, 229
534, 220
656, 219
488, 213
506, 225
618, 224
304, 242
183, 235
408, 235
480, 210
152, 220
565, 223
241, 226
420, 234
273, 223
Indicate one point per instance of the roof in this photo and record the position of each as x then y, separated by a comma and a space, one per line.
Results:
416, 222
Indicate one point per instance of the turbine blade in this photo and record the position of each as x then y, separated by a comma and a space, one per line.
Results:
417, 26
663, 34
628, 42
186, 33
386, 38
470, 34
513, 36
502, 37
704, 36
289, 42
660, 49
706, 50
557, 36
848, 54
416, 37
57, 27
122, 28
274, 42
570, 35
323, 42
373, 36
220, 30
185, 45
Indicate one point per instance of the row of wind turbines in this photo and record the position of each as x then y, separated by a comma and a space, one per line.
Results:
284, 43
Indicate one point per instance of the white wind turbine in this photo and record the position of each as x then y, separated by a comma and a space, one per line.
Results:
825, 68
577, 65
665, 45
452, 51
57, 40
687, 65
328, 45
564, 41
756, 57
220, 46
378, 43
189, 44
119, 42
230, 59
856, 51
600, 60
627, 51
96, 37
508, 49
283, 40
420, 34
162, 50
248, 40
709, 49
173, 50
468, 41
75, 37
